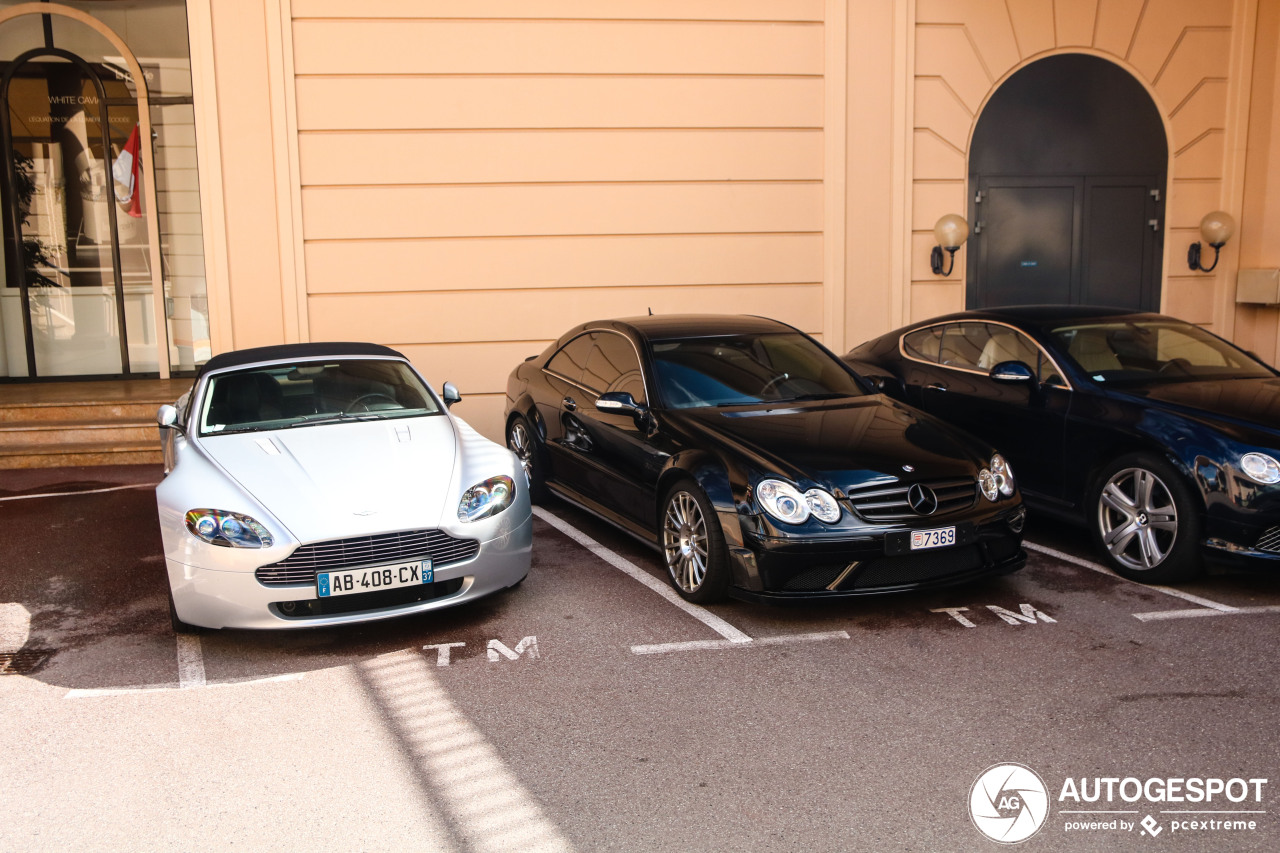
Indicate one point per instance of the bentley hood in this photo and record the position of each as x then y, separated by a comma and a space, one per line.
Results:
332, 481
841, 444
1247, 409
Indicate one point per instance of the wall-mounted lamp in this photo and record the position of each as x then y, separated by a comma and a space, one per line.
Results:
950, 232
1215, 229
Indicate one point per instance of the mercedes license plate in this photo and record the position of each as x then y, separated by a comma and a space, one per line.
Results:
940, 538
352, 581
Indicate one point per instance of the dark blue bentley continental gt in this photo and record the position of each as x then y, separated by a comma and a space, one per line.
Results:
757, 462
1160, 436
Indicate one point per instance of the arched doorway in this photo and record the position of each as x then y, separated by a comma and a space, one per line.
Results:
1067, 170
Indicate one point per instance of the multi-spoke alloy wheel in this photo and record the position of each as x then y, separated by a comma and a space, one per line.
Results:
1145, 521
520, 441
693, 545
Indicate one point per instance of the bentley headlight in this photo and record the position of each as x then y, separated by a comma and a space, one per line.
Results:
228, 529
1260, 467
485, 499
823, 505
1004, 475
987, 482
783, 501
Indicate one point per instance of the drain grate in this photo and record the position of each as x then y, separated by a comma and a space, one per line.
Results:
23, 661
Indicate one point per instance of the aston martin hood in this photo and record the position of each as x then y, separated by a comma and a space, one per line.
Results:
337, 480
843, 444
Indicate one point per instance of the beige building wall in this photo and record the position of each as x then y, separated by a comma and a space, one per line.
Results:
1194, 58
474, 184
468, 185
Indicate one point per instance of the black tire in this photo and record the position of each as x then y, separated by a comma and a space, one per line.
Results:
523, 442
693, 544
179, 627
1145, 520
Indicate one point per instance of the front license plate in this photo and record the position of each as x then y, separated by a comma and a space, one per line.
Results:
940, 538
352, 581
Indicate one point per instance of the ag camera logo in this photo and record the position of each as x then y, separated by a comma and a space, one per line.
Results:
1008, 803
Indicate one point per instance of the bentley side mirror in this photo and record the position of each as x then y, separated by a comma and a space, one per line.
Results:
167, 417
1012, 372
450, 394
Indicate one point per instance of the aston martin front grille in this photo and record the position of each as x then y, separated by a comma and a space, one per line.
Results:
891, 503
301, 566
1270, 541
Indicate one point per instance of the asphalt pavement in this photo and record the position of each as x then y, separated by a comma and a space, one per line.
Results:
591, 709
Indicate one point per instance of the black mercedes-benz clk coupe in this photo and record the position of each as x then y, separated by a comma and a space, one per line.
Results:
758, 463
1160, 436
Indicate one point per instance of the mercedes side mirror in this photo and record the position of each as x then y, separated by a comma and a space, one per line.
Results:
619, 401
167, 416
1012, 372
449, 393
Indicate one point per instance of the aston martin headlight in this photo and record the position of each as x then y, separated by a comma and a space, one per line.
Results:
987, 482
823, 505
1003, 473
1260, 467
485, 499
228, 529
783, 501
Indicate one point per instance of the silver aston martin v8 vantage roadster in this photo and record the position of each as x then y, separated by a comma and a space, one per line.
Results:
319, 484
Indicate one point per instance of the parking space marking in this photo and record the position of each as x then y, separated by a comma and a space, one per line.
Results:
93, 692
86, 492
190, 662
712, 621
1193, 614
1167, 590
662, 648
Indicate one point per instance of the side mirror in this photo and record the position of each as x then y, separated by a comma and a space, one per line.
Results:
450, 394
619, 401
1012, 372
167, 417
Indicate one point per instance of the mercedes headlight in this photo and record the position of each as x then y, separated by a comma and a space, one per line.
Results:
228, 529
1260, 467
987, 482
1003, 475
485, 499
786, 503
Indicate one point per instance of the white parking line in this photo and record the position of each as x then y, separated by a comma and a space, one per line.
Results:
92, 692
712, 621
1167, 590
1194, 614
190, 661
85, 492
662, 648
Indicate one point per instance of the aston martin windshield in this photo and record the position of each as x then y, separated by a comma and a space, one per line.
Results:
746, 369
1162, 351
311, 393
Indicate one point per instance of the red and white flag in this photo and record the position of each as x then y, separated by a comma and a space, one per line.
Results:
126, 174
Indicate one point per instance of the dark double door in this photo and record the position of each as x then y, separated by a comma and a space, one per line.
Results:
1067, 240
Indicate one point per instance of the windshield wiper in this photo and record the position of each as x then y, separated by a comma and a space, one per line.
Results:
830, 395
337, 418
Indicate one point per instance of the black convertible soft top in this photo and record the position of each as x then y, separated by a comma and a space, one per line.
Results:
284, 352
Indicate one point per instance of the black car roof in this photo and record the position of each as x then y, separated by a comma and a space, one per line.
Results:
1044, 315
665, 326
284, 352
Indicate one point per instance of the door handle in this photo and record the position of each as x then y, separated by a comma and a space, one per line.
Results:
935, 386
570, 404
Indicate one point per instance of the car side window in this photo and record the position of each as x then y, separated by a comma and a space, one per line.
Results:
923, 344
571, 358
612, 365
980, 347
962, 345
